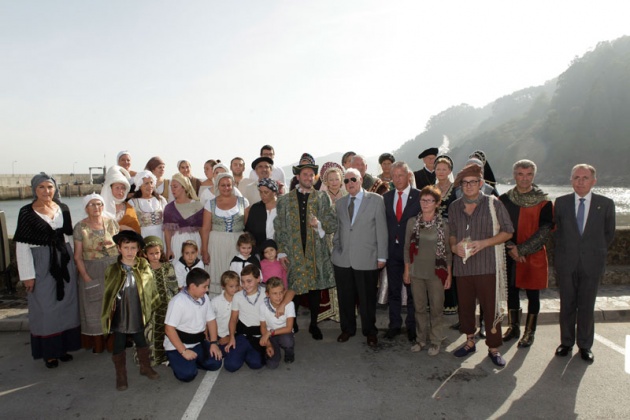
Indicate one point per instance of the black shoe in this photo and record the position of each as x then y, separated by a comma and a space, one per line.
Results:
392, 333
51, 364
563, 351
411, 336
315, 332
587, 355
289, 358
66, 358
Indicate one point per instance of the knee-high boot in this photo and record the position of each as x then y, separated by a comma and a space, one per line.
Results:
120, 363
530, 331
145, 363
514, 324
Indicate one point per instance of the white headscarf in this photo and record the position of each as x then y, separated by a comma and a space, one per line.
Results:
90, 197
115, 175
138, 180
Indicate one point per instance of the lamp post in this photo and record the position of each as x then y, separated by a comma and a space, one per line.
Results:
13, 168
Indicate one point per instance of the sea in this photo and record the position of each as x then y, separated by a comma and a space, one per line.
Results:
621, 196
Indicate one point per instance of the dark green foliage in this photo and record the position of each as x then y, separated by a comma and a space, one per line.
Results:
582, 116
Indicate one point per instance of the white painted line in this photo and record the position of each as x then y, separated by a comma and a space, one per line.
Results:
2, 394
444, 383
610, 344
201, 396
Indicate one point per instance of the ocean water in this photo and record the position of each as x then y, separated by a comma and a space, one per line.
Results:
621, 196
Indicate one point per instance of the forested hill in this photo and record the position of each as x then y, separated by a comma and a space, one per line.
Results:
583, 115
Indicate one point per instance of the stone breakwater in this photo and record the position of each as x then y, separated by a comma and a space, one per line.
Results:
617, 268
18, 187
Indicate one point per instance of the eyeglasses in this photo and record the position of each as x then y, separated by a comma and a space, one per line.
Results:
427, 201
97, 204
470, 183
347, 180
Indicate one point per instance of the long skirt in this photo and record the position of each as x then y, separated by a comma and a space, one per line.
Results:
91, 295
222, 248
54, 324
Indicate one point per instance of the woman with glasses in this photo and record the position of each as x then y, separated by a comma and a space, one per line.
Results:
94, 251
428, 269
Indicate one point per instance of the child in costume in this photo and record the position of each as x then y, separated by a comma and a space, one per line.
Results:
187, 262
269, 265
277, 331
222, 305
244, 245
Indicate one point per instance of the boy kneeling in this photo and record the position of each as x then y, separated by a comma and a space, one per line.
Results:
277, 331
189, 321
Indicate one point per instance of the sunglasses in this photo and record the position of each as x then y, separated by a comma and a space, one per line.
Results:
347, 180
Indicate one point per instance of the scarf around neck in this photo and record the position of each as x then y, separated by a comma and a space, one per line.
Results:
440, 253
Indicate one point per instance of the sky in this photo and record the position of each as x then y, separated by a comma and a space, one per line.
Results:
197, 80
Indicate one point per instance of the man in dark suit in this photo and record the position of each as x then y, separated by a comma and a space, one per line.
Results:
359, 252
426, 175
401, 204
585, 228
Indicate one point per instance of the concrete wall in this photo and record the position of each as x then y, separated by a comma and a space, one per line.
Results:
18, 187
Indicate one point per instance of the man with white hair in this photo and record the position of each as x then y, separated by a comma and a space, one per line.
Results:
359, 163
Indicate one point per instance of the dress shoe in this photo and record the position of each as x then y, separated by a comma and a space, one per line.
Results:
496, 358
392, 333
66, 358
289, 358
587, 355
51, 363
465, 350
563, 350
315, 332
343, 337
372, 341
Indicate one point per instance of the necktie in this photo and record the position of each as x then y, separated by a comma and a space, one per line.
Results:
399, 206
580, 216
351, 208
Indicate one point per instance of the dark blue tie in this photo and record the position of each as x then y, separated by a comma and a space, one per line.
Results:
580, 216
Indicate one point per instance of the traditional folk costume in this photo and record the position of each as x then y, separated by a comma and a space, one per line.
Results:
126, 217
239, 262
310, 268
532, 216
227, 226
44, 253
184, 222
128, 303
99, 252
450, 295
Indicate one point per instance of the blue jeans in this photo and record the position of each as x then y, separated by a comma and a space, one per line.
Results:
186, 370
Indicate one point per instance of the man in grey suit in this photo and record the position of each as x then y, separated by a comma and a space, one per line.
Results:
359, 252
585, 228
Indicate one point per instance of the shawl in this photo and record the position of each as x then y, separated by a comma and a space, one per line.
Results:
441, 270
174, 221
34, 230
500, 289
528, 199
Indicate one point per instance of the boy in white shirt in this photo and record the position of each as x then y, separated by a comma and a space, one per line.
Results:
189, 322
277, 331
222, 306
244, 344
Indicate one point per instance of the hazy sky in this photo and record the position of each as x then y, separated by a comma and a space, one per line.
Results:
81, 80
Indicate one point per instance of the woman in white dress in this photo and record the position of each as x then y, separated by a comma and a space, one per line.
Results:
224, 220
183, 217
149, 205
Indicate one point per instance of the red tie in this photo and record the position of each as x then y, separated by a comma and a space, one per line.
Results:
399, 206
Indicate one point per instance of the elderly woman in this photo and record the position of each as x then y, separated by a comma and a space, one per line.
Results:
184, 168
47, 271
114, 193
261, 214
94, 251
428, 269
123, 159
224, 219
157, 167
386, 160
149, 205
332, 180
183, 217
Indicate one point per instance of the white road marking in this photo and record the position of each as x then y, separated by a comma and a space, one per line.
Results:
610, 344
444, 383
201, 396
2, 394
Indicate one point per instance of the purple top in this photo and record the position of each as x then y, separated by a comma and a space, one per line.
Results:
174, 221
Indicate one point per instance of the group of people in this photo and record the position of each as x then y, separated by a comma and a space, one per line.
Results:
205, 274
